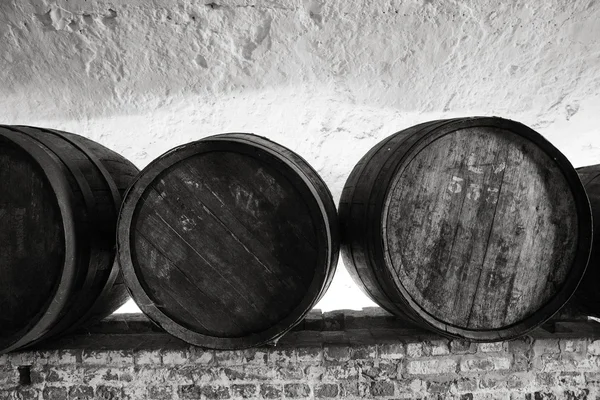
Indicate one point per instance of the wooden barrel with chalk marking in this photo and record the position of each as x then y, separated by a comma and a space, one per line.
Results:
476, 228
59, 199
229, 241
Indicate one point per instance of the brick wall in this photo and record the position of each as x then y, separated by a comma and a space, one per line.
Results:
332, 356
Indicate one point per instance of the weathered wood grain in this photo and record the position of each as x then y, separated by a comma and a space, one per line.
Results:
478, 228
227, 242
30, 264
587, 297
87, 201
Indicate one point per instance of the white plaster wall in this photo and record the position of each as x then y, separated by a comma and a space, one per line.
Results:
328, 79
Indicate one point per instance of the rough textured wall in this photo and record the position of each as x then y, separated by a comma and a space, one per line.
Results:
343, 356
328, 79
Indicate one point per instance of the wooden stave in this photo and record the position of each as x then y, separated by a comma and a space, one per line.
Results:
375, 283
118, 172
171, 157
56, 173
322, 192
91, 275
106, 296
409, 309
587, 299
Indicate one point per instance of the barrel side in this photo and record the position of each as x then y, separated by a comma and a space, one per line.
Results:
118, 173
490, 191
267, 229
96, 237
322, 193
376, 237
360, 218
60, 258
587, 297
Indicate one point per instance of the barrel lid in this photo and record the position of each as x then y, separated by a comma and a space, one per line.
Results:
224, 242
37, 245
486, 228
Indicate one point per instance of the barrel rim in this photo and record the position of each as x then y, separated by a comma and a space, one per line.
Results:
380, 277
584, 240
326, 256
116, 197
50, 166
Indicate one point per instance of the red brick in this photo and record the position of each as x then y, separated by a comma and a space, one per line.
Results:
256, 356
147, 357
440, 387
436, 348
190, 392
381, 370
382, 388
197, 355
96, 376
181, 375
593, 348
314, 354
81, 392
570, 362
326, 390
414, 350
495, 347
22, 393
546, 379
269, 391
160, 392
546, 346
55, 393
290, 372
485, 364
431, 367
336, 353
341, 371
296, 390
572, 345
518, 381
175, 357
232, 357
314, 372
9, 377
92, 357
464, 384
245, 391
392, 351
571, 379
364, 352
462, 347
215, 392
283, 356
349, 388
109, 393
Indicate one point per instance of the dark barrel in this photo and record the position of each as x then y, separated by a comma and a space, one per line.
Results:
476, 228
229, 241
587, 297
60, 195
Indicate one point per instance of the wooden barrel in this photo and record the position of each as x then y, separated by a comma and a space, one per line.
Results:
229, 241
587, 295
476, 228
59, 199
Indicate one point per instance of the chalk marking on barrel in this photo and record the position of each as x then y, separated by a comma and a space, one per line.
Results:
500, 168
455, 185
471, 162
474, 191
